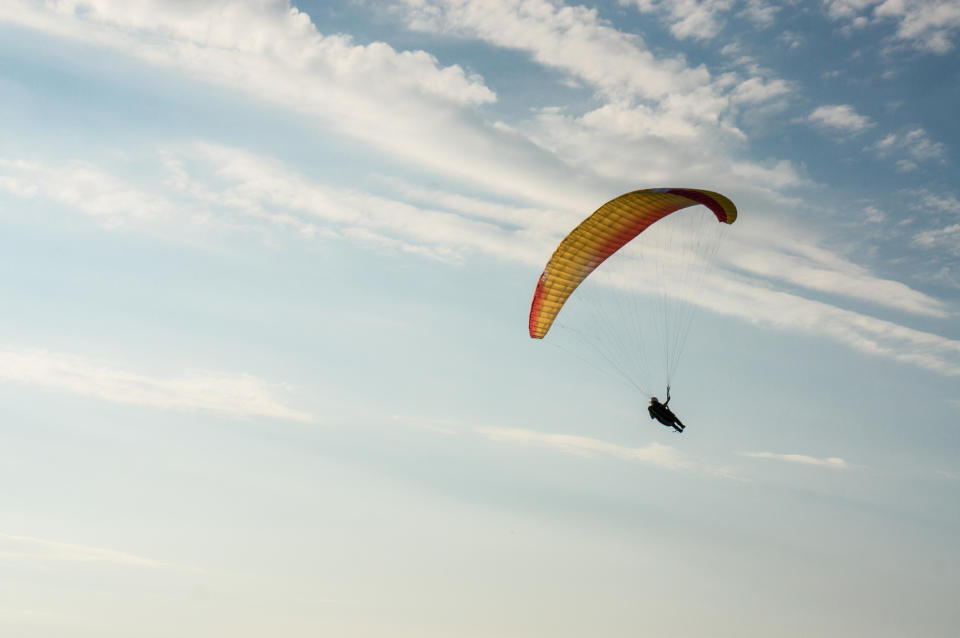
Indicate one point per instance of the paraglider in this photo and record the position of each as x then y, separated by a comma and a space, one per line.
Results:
604, 233
663, 414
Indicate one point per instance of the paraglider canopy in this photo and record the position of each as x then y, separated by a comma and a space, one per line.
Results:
605, 232
635, 324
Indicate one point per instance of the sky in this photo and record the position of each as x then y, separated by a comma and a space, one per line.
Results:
266, 271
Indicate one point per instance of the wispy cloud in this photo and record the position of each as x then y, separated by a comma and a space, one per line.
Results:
88, 189
929, 25
404, 103
944, 202
786, 255
830, 461
410, 106
235, 395
697, 19
943, 209
35, 549
947, 238
572, 38
848, 8
239, 183
656, 102
840, 117
915, 147
655, 454
704, 19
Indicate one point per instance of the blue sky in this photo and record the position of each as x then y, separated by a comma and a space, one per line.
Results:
264, 364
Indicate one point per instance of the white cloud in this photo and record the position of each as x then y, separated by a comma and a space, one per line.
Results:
261, 187
403, 103
753, 302
655, 454
915, 146
704, 19
234, 182
762, 12
246, 42
697, 19
785, 254
929, 25
86, 188
947, 238
831, 461
874, 215
841, 117
571, 38
920, 148
943, 208
944, 202
645, 97
847, 8
408, 105
35, 549
238, 395
757, 89
887, 143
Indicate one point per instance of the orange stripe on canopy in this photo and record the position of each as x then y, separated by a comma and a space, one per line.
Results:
605, 232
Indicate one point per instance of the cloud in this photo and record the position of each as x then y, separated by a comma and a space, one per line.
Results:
651, 104
947, 238
234, 395
786, 254
654, 454
832, 461
572, 38
915, 146
928, 25
403, 103
646, 99
944, 202
847, 8
450, 227
757, 89
88, 189
756, 303
697, 19
762, 12
35, 549
409, 106
704, 19
246, 42
874, 215
840, 117
264, 188
519, 234
944, 209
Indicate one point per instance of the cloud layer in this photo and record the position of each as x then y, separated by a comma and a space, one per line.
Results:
803, 459
236, 395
